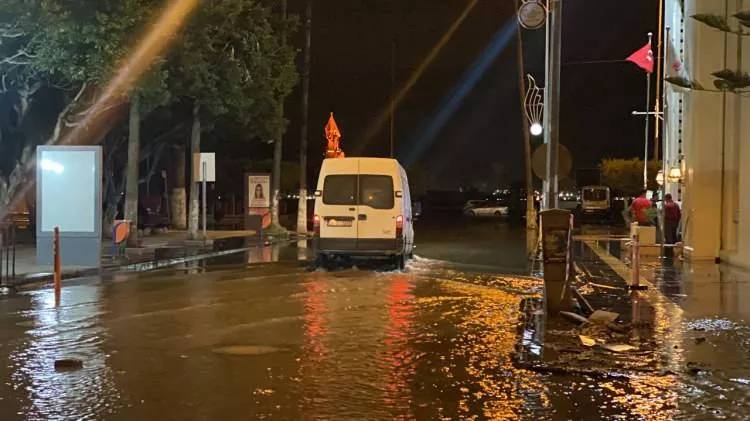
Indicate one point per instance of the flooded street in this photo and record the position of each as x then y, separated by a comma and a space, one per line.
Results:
262, 335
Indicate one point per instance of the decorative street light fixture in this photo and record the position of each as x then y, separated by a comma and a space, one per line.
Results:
534, 106
660, 178
532, 14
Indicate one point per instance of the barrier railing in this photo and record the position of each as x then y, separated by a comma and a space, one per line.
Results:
7, 253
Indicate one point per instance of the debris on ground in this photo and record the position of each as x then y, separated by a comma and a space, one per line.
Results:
603, 317
574, 317
587, 341
68, 364
584, 303
619, 347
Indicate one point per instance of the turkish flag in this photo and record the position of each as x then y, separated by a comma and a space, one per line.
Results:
643, 58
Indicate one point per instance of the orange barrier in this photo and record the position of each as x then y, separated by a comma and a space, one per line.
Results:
58, 270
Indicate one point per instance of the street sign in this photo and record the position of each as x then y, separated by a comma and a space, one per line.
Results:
532, 14
209, 159
539, 162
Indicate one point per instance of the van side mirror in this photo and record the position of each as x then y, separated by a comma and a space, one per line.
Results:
399, 193
318, 193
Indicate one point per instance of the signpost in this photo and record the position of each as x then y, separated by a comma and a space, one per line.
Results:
204, 169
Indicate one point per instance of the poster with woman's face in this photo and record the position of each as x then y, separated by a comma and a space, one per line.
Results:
259, 191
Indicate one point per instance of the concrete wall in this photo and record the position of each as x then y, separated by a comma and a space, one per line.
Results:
716, 185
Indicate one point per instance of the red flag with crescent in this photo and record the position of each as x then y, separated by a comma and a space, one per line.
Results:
643, 58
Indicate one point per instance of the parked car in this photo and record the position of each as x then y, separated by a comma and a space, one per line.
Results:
363, 209
488, 209
471, 204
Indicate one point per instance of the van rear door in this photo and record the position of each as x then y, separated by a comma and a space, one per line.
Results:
376, 215
338, 207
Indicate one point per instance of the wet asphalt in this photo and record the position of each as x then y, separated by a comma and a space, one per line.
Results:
263, 335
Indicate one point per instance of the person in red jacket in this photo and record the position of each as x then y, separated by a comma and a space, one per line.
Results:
672, 216
639, 210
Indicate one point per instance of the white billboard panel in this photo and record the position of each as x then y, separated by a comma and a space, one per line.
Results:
69, 190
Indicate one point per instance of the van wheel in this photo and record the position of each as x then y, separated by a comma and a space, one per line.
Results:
399, 261
498, 214
322, 261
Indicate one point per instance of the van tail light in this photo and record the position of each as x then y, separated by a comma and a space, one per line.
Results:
399, 226
316, 224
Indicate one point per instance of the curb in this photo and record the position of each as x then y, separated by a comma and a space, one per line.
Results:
27, 281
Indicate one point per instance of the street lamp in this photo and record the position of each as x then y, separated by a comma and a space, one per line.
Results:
660, 178
675, 175
534, 106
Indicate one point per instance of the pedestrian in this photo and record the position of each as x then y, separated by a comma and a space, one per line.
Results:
672, 216
640, 209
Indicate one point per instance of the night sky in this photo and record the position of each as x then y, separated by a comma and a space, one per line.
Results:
481, 136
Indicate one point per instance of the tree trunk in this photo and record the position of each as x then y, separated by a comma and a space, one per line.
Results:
134, 149
195, 147
178, 195
302, 209
530, 209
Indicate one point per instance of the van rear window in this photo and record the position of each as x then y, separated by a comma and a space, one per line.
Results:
376, 191
340, 190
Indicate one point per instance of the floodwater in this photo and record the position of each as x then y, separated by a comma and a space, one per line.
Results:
262, 335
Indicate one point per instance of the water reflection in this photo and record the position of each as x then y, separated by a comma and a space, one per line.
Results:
71, 331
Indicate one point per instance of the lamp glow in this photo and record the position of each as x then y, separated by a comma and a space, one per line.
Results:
536, 129
675, 175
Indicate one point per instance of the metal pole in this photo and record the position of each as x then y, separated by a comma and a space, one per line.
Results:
635, 260
203, 180
648, 104
393, 101
57, 277
553, 95
665, 146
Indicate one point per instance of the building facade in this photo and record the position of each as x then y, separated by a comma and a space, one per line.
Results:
708, 132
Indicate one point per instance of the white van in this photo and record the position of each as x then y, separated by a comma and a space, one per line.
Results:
363, 209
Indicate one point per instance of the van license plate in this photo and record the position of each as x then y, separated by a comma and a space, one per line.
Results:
339, 223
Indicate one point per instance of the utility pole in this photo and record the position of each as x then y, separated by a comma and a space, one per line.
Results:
278, 144
302, 208
393, 98
552, 100
530, 209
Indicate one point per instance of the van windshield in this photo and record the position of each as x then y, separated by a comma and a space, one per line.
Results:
375, 191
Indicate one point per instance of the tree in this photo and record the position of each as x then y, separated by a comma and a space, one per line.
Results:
68, 51
625, 176
232, 61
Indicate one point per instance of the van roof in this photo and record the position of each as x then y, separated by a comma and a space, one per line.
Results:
345, 162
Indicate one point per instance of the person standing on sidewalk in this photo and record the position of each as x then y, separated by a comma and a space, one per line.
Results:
639, 210
672, 216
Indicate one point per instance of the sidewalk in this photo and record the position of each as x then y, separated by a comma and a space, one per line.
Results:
690, 330
172, 245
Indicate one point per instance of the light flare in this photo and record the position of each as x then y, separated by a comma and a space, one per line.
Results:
146, 51
393, 103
